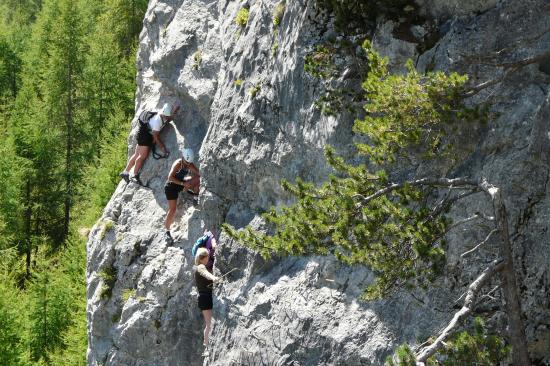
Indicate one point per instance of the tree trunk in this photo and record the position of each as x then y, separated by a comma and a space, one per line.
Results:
520, 353
69, 151
28, 236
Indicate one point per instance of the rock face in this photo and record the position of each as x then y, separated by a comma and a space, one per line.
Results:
248, 112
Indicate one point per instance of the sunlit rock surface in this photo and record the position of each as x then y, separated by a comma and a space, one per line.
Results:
305, 311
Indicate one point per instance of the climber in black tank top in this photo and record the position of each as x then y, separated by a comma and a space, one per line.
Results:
183, 175
204, 280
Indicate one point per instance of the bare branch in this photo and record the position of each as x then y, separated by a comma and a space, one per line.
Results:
494, 267
446, 202
480, 244
509, 68
436, 182
485, 60
488, 294
463, 221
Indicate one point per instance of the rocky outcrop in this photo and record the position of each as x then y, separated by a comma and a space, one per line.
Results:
248, 110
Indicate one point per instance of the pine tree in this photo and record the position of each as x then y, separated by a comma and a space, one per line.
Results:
10, 337
396, 223
49, 313
126, 18
65, 68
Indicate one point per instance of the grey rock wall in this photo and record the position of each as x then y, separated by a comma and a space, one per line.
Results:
302, 311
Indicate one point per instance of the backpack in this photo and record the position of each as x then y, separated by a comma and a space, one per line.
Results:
200, 243
144, 118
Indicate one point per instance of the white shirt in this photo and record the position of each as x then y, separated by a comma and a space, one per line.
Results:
155, 122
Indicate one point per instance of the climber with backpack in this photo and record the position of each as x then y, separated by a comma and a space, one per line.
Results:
204, 280
150, 125
208, 241
183, 175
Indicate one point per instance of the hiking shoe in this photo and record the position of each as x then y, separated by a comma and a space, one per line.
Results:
168, 238
205, 353
125, 176
136, 179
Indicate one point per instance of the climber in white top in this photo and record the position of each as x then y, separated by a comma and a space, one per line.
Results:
150, 125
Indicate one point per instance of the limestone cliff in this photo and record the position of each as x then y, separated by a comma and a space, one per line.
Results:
248, 111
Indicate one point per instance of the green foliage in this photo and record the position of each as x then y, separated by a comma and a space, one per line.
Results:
10, 325
319, 63
351, 14
242, 17
274, 48
238, 83
359, 215
109, 276
409, 110
403, 357
10, 68
48, 314
463, 348
476, 348
124, 20
12, 170
128, 293
278, 13
67, 84
106, 226
254, 89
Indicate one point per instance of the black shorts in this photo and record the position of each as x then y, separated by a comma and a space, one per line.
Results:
205, 300
144, 138
172, 190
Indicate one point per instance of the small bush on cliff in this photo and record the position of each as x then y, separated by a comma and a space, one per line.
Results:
254, 89
108, 276
464, 348
197, 59
128, 293
242, 17
351, 14
278, 13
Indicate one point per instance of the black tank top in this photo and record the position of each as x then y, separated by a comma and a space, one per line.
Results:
182, 173
203, 284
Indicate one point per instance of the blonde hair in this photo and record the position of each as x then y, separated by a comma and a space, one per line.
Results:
201, 253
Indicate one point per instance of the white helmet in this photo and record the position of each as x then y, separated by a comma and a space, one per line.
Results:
167, 110
187, 155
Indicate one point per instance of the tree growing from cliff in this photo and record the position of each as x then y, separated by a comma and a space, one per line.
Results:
396, 223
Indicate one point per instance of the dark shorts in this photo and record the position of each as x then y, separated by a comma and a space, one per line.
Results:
205, 300
172, 191
144, 138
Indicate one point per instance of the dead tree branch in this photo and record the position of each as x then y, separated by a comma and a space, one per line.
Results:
509, 68
436, 182
489, 59
480, 243
469, 302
